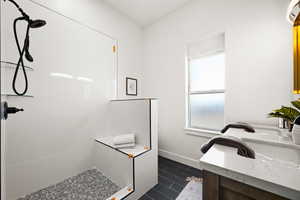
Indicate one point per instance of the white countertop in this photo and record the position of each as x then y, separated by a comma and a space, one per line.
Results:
264, 172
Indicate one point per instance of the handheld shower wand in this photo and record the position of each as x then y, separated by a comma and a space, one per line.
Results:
25, 49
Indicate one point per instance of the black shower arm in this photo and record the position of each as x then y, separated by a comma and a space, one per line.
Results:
19, 8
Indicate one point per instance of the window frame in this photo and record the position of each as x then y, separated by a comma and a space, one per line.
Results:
188, 117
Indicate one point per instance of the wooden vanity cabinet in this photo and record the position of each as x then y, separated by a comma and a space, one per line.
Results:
216, 187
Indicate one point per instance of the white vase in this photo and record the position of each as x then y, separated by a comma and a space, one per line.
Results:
296, 134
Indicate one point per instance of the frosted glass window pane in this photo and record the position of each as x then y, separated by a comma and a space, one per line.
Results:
208, 73
207, 111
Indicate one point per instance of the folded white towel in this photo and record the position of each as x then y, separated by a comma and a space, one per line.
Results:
129, 145
124, 139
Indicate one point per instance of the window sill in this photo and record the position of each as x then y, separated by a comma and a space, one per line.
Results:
201, 132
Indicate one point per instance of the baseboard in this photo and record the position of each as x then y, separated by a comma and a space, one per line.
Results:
179, 158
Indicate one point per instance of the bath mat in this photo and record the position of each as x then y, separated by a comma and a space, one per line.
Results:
192, 191
89, 185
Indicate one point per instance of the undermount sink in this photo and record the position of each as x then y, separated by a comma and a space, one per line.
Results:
267, 135
280, 153
271, 145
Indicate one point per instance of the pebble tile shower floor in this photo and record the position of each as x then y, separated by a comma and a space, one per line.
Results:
89, 185
92, 185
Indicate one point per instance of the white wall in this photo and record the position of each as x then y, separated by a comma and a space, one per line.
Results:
53, 138
138, 123
100, 16
258, 65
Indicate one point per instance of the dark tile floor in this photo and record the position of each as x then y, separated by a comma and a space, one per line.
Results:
171, 180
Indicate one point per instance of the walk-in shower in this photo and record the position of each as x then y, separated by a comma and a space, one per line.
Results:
60, 148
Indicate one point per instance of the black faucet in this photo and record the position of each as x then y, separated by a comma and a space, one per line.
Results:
244, 126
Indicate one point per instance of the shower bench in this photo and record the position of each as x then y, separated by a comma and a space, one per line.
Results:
133, 169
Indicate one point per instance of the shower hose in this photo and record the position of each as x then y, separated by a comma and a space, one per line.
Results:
20, 61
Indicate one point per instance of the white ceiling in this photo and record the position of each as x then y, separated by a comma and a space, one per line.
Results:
146, 12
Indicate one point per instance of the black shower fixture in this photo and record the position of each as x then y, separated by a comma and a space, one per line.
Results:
25, 50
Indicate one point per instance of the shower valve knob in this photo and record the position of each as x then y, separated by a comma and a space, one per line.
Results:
13, 110
5, 110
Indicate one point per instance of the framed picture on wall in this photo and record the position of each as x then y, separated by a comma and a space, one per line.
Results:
131, 86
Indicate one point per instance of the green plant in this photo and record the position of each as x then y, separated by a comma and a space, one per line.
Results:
287, 113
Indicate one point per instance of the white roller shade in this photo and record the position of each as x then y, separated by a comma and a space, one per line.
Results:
207, 46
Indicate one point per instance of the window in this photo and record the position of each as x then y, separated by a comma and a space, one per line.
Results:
206, 84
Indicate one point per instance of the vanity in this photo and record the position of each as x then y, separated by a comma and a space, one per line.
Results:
273, 175
217, 187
